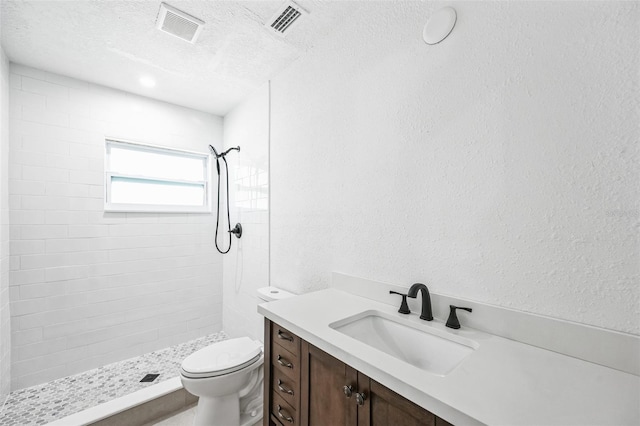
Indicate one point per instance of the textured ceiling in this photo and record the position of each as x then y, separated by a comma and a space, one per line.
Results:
114, 43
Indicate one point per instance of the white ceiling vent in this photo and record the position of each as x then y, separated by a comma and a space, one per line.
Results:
179, 24
285, 17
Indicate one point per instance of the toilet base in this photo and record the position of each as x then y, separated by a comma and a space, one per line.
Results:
247, 420
223, 411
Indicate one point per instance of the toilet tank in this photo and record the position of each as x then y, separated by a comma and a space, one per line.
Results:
269, 294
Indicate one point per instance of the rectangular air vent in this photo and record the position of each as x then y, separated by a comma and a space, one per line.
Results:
178, 23
284, 18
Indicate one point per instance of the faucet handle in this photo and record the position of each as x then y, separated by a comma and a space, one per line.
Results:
453, 322
404, 308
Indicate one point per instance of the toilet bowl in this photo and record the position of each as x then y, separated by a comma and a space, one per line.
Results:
228, 377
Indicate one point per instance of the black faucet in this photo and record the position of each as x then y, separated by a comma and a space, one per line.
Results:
453, 321
404, 308
426, 300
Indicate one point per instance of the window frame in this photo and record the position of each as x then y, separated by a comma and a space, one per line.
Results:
154, 208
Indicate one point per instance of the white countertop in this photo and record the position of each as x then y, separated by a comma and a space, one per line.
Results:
503, 382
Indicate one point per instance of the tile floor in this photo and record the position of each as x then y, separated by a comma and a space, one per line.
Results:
51, 401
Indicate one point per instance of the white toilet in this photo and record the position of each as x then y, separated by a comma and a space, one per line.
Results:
228, 377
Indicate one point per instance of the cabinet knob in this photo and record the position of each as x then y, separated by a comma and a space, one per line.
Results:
360, 397
348, 390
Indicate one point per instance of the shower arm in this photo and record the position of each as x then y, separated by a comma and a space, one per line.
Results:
215, 152
236, 148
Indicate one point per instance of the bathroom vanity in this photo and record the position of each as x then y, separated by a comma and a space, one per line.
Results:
324, 366
306, 386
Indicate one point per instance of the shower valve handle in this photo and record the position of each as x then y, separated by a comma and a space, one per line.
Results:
237, 230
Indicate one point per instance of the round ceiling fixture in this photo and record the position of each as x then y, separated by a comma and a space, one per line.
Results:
439, 26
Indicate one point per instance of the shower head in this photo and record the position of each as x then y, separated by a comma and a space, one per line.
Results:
237, 148
215, 153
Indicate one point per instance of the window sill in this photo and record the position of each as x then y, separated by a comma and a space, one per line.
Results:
147, 208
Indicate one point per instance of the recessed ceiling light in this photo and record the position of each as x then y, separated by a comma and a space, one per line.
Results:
147, 81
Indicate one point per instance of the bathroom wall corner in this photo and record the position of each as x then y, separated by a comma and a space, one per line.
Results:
5, 317
246, 266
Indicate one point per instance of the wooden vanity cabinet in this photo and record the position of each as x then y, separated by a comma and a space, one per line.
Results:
281, 376
314, 394
385, 407
323, 401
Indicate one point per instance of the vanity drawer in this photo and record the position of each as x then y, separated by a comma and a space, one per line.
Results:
284, 412
285, 362
273, 421
283, 337
286, 387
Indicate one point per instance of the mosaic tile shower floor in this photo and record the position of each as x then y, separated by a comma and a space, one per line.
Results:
47, 402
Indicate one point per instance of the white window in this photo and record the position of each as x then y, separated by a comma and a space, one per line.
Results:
143, 178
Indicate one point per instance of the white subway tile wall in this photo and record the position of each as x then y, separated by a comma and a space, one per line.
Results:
6, 262
87, 287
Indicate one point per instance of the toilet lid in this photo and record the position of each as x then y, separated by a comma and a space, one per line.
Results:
222, 357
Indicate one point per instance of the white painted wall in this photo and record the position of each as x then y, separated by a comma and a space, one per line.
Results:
246, 266
89, 287
499, 166
5, 317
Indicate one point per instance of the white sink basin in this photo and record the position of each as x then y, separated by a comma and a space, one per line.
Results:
422, 346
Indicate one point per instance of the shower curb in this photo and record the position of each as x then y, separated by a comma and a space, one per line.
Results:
100, 414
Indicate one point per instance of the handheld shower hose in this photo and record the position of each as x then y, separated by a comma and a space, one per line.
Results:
237, 230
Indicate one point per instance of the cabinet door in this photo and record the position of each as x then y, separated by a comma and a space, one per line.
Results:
323, 400
384, 407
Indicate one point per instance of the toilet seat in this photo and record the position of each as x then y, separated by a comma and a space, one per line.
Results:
209, 374
221, 358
